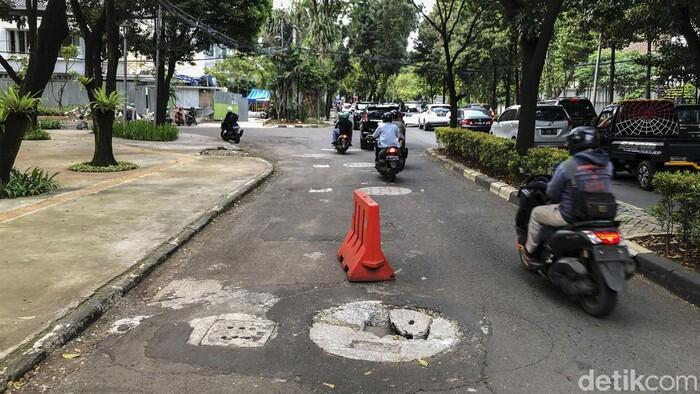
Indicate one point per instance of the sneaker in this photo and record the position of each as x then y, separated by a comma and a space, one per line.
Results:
528, 260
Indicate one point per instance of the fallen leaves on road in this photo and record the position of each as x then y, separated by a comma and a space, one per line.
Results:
422, 362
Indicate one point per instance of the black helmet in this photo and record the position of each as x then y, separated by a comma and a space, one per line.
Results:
582, 138
387, 117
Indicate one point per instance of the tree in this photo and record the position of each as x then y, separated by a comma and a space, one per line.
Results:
407, 86
427, 58
534, 22
242, 73
686, 21
446, 17
180, 40
44, 41
69, 53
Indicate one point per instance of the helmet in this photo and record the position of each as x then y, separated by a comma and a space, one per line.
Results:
229, 109
387, 117
343, 115
582, 138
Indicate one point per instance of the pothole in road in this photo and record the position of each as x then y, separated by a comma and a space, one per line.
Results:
385, 190
372, 331
232, 330
359, 165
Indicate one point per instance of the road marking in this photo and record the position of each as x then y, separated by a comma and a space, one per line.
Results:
385, 190
321, 166
327, 190
359, 165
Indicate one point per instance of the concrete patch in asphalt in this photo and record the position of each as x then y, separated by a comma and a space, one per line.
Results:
232, 330
385, 190
183, 292
373, 331
326, 190
321, 166
359, 165
123, 325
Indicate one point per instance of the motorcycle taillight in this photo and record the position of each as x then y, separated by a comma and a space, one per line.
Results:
392, 151
604, 237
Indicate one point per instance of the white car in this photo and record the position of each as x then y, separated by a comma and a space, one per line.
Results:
436, 115
552, 125
411, 117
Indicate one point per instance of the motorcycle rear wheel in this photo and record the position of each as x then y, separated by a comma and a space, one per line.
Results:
605, 299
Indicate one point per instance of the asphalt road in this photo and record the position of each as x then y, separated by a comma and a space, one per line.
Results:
451, 244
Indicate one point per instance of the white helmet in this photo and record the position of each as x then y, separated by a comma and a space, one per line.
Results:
229, 109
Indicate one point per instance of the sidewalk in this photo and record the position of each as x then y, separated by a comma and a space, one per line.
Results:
58, 250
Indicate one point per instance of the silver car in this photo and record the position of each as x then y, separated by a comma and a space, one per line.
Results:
552, 125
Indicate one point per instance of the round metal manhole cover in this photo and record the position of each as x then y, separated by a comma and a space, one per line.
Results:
359, 165
385, 190
232, 330
372, 331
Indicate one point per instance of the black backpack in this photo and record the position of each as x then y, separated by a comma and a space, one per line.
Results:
591, 205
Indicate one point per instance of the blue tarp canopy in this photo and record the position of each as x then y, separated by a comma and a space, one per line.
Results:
259, 95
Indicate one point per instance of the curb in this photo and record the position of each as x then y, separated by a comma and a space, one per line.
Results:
675, 278
28, 355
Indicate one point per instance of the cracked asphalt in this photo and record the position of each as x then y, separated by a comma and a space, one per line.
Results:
273, 256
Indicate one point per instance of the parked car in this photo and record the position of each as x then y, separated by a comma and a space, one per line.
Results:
371, 118
688, 119
580, 110
552, 125
475, 119
357, 110
435, 115
485, 107
410, 117
646, 136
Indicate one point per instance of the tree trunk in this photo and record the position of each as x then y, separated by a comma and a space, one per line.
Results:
162, 97
611, 86
516, 72
15, 127
691, 36
494, 88
647, 94
104, 155
508, 81
328, 104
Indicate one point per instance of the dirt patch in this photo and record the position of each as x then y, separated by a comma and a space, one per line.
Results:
677, 250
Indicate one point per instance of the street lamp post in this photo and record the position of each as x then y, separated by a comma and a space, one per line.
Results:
126, 83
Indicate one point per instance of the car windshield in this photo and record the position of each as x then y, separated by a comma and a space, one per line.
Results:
362, 105
689, 115
550, 114
476, 113
440, 110
578, 108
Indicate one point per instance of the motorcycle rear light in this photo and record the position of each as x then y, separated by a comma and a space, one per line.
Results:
392, 151
604, 237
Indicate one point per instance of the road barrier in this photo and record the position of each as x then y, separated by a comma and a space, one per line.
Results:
361, 252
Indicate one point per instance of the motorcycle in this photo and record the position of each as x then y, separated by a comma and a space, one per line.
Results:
80, 115
342, 144
232, 134
390, 161
587, 260
190, 117
179, 117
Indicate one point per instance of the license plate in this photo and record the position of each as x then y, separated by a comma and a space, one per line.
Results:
548, 131
441, 115
392, 157
609, 253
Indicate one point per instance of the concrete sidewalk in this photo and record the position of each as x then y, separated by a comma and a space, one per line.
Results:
59, 249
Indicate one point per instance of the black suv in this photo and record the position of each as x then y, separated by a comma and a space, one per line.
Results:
371, 117
580, 110
357, 110
688, 119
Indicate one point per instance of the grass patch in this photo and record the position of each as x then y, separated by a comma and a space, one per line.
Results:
37, 135
143, 130
32, 182
87, 167
49, 124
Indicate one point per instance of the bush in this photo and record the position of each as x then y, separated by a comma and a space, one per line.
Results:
678, 211
87, 167
36, 135
32, 182
497, 156
49, 124
48, 111
144, 130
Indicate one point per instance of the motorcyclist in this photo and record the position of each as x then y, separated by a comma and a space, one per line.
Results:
592, 172
386, 135
398, 121
342, 126
230, 121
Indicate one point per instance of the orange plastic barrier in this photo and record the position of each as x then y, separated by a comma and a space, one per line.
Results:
361, 252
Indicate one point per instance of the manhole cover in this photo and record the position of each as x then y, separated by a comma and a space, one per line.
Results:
385, 190
231, 330
372, 331
359, 165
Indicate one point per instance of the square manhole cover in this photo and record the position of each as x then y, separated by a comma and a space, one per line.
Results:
232, 330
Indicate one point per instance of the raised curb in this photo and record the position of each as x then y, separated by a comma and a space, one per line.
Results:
675, 278
27, 356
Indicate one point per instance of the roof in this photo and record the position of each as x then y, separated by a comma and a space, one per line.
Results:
259, 95
21, 5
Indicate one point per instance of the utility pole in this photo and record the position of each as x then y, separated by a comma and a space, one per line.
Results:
126, 83
597, 70
158, 23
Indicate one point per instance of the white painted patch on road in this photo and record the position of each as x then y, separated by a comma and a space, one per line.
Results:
123, 325
314, 156
385, 190
326, 190
185, 292
324, 200
359, 165
232, 330
372, 331
314, 256
321, 166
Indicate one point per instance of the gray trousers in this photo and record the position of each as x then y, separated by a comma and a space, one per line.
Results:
542, 216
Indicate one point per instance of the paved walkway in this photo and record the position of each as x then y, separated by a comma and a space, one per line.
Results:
58, 249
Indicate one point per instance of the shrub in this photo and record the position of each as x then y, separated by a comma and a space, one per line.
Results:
49, 111
32, 182
36, 135
12, 103
104, 101
678, 211
144, 130
497, 156
87, 167
49, 124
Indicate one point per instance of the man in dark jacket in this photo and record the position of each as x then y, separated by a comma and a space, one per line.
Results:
343, 126
592, 170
